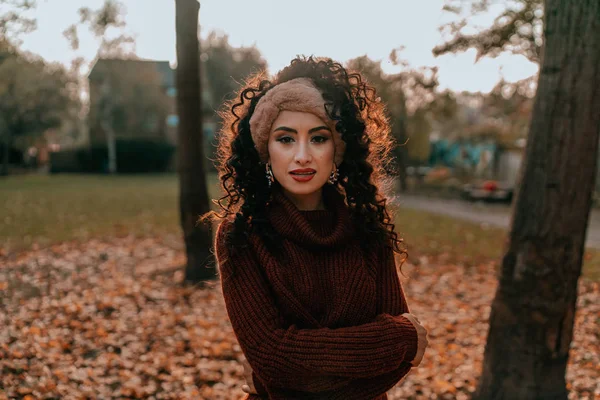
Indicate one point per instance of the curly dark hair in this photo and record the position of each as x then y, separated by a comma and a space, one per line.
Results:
365, 174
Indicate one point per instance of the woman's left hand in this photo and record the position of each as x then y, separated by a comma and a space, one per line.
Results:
249, 386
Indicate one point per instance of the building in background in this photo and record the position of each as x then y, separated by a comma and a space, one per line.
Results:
137, 99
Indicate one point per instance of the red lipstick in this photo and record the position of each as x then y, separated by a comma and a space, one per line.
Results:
303, 174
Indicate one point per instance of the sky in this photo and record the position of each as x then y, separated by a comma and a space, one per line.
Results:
282, 29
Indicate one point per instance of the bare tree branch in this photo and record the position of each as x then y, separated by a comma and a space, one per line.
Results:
517, 30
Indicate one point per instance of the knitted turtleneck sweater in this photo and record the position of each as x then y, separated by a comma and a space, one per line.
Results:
325, 323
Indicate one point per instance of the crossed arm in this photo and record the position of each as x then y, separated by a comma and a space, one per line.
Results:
315, 360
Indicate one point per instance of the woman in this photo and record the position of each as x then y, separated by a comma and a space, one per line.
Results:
306, 246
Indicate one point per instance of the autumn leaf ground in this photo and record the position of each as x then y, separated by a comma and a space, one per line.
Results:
92, 306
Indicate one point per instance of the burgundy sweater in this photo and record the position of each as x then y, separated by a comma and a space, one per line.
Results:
324, 324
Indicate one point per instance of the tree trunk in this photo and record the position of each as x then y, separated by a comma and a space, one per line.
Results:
400, 128
533, 311
193, 195
112, 148
106, 122
402, 163
7, 136
6, 152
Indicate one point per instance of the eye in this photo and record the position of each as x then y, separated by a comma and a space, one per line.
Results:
320, 139
285, 139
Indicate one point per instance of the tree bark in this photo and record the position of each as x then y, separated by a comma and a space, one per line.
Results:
6, 152
402, 163
193, 195
7, 135
400, 128
533, 311
106, 122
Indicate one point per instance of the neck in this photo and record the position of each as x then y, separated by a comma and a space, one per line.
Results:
307, 202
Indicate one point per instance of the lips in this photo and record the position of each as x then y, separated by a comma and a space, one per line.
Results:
303, 171
303, 175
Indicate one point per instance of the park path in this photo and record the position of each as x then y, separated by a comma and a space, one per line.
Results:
494, 214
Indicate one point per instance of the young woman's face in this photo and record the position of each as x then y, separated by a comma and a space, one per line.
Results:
301, 153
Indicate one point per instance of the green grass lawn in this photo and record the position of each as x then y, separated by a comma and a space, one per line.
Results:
47, 209
42, 210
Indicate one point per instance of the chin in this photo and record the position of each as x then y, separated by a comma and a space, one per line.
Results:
302, 188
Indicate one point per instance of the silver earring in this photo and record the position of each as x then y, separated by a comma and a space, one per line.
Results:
334, 175
269, 174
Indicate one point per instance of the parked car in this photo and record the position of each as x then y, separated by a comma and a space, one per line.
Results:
488, 190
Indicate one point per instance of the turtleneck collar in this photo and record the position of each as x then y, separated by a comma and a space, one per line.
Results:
317, 228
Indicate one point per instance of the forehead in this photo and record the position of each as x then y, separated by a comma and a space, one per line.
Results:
297, 119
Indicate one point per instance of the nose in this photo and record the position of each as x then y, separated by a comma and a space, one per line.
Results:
303, 155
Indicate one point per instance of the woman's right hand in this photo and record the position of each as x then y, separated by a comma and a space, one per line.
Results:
422, 339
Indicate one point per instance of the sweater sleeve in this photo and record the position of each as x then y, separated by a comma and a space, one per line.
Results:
390, 295
391, 303
279, 354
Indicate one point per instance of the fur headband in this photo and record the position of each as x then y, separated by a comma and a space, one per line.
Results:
298, 94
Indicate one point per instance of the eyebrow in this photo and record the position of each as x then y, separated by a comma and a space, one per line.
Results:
312, 130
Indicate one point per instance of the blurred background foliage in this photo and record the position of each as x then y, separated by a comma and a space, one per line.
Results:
48, 108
